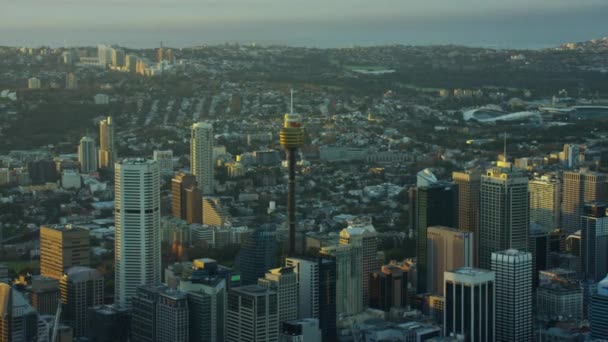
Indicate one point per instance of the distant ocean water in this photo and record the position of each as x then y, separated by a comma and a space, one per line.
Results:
530, 31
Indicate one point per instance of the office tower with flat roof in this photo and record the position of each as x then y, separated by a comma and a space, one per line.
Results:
214, 213
305, 329
327, 299
579, 188
469, 304
388, 288
469, 185
473, 288
44, 294
283, 281
87, 155
307, 271
202, 164
42, 171
61, 247
504, 212
252, 315
599, 311
207, 295
538, 246
559, 301
81, 288
137, 256
257, 254
159, 314
165, 161
107, 153
432, 203
513, 270
108, 323
349, 295
362, 234
447, 249
18, 319
594, 242
186, 198
545, 202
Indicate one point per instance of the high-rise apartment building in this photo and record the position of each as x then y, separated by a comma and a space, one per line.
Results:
504, 212
186, 198
469, 185
362, 234
87, 155
107, 153
159, 314
81, 288
18, 320
447, 249
469, 304
202, 164
165, 161
252, 315
579, 188
432, 203
207, 295
545, 202
349, 295
137, 257
594, 242
61, 247
513, 270
283, 281
257, 254
388, 288
214, 213
599, 311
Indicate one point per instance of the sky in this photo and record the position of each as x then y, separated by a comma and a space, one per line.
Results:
323, 23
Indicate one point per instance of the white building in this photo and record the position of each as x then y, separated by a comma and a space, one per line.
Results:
70, 179
513, 271
202, 164
283, 281
137, 220
165, 161
307, 272
87, 155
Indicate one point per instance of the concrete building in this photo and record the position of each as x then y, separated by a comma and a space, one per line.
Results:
560, 301
362, 234
202, 163
252, 315
504, 212
594, 242
33, 83
165, 161
186, 198
349, 295
301, 330
469, 185
44, 294
513, 270
579, 188
107, 152
137, 257
545, 202
599, 311
18, 320
388, 288
447, 249
87, 155
257, 255
61, 247
81, 289
108, 323
474, 289
159, 314
207, 295
283, 281
307, 271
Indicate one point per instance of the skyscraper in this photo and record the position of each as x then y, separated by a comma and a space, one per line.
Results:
165, 161
186, 198
432, 203
594, 242
545, 201
107, 153
349, 295
159, 314
202, 164
257, 254
469, 185
87, 155
469, 304
207, 295
579, 188
362, 234
283, 281
388, 288
81, 289
599, 311
307, 271
18, 320
61, 247
447, 249
504, 212
44, 294
513, 271
252, 315
137, 258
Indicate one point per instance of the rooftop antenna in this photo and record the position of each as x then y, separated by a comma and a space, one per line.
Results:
291, 108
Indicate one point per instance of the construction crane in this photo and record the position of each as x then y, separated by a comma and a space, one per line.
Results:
56, 322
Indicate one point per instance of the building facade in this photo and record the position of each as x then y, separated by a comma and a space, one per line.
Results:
252, 315
447, 249
202, 164
594, 242
81, 289
469, 185
107, 153
87, 155
61, 247
283, 281
362, 234
349, 295
579, 188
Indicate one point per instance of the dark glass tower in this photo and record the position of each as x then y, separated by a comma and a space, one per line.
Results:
257, 255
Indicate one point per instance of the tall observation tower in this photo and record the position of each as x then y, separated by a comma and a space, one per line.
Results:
292, 137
